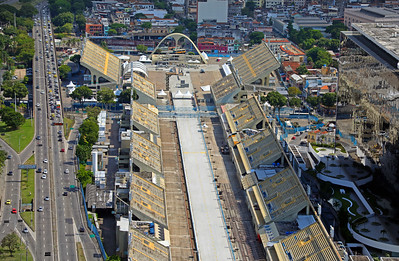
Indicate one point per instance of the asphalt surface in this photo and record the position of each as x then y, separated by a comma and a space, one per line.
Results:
57, 226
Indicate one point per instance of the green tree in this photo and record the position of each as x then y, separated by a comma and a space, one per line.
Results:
293, 91
13, 89
118, 27
59, 6
66, 28
27, 10
78, 6
335, 29
112, 32
92, 112
179, 29
106, 96
295, 102
13, 119
146, 25
11, 241
141, 48
193, 36
139, 16
313, 101
80, 93
308, 43
302, 70
64, 70
256, 37
124, 96
75, 58
276, 100
85, 177
62, 19
80, 21
113, 258
89, 126
329, 99
83, 152
319, 56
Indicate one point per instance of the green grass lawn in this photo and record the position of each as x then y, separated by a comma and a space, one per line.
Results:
68, 124
27, 217
18, 255
28, 190
20, 138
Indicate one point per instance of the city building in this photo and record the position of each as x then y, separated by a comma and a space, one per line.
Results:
370, 15
212, 10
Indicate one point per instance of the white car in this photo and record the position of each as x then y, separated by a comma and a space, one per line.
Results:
37, 104
42, 92
46, 199
66, 171
44, 176
45, 171
40, 209
45, 161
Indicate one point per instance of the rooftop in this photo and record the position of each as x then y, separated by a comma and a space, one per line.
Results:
148, 199
145, 118
145, 248
225, 87
385, 36
282, 195
97, 58
255, 64
143, 85
245, 115
311, 243
146, 152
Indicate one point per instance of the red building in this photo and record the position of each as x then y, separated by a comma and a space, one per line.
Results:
94, 29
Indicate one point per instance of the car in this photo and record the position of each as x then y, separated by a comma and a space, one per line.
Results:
14, 211
81, 229
70, 148
46, 199
202, 71
62, 150
40, 209
9, 173
37, 87
59, 132
45, 161
65, 193
293, 138
9, 157
60, 139
66, 171
39, 144
44, 176
25, 230
38, 138
37, 104
42, 92
39, 170
8, 202
45, 171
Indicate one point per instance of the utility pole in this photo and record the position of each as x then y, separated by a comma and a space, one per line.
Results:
15, 21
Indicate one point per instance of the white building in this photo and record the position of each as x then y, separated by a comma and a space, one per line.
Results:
212, 10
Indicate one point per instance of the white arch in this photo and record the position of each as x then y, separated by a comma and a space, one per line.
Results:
137, 67
177, 37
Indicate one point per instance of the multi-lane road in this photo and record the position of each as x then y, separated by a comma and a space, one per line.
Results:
59, 222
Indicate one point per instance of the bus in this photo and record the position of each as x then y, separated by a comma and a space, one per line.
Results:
179, 51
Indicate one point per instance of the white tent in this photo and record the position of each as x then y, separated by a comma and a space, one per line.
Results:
205, 56
71, 87
124, 57
230, 59
187, 95
162, 93
179, 94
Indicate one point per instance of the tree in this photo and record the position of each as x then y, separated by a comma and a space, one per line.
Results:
113, 258
106, 96
63, 18
75, 58
329, 99
193, 36
92, 112
83, 152
295, 102
64, 70
256, 37
11, 241
13, 119
293, 91
178, 29
319, 56
124, 96
3, 157
89, 131
66, 28
335, 29
141, 48
85, 177
80, 21
27, 10
118, 27
112, 32
60, 6
13, 89
276, 100
139, 16
301, 70
146, 25
80, 93
314, 101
